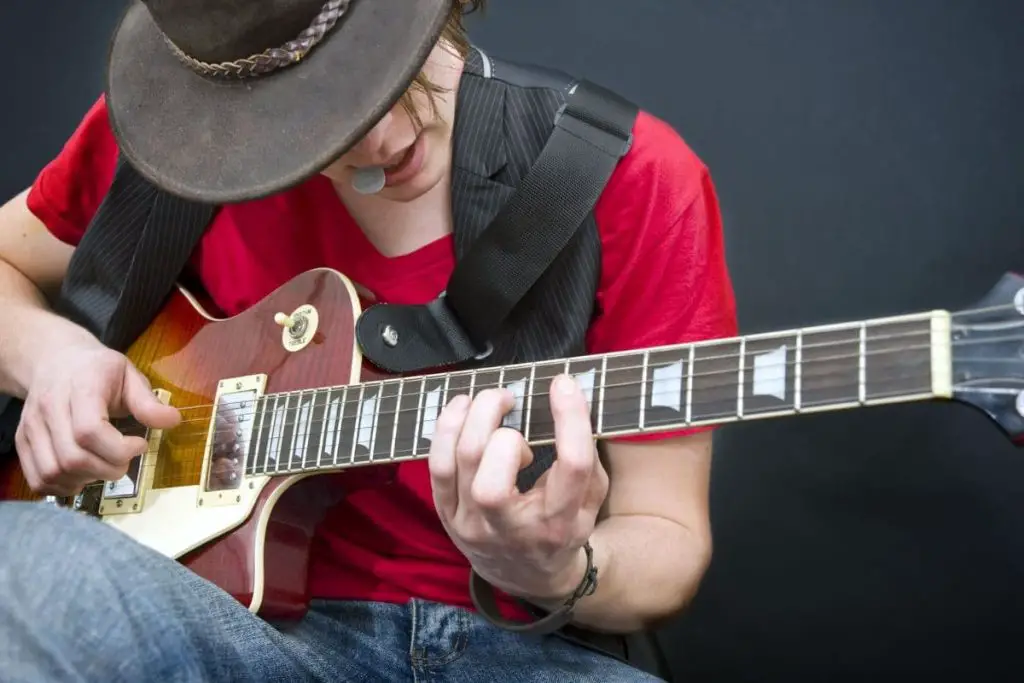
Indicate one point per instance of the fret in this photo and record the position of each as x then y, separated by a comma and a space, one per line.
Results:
253, 456
366, 423
481, 380
332, 424
434, 392
354, 409
396, 416
898, 359
542, 423
384, 421
769, 374
587, 373
459, 383
739, 379
299, 420
529, 402
313, 451
798, 369
664, 402
347, 430
281, 442
620, 410
643, 389
271, 442
715, 387
410, 407
830, 367
517, 381
689, 384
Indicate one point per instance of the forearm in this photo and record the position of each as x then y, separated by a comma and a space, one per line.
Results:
29, 327
649, 569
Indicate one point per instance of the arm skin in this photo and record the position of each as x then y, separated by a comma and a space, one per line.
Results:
652, 543
32, 264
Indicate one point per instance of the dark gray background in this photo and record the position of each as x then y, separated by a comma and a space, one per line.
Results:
869, 155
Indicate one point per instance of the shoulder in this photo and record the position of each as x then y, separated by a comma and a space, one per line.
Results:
660, 176
664, 275
69, 189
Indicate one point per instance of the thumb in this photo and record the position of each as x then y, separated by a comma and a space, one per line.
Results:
138, 399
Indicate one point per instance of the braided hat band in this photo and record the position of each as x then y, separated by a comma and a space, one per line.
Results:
271, 59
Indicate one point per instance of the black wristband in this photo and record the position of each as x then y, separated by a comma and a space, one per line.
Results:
486, 602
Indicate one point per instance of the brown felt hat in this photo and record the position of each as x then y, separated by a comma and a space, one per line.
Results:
229, 100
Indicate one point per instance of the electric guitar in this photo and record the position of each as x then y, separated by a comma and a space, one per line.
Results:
280, 393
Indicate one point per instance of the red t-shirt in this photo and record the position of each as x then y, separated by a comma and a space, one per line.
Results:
663, 281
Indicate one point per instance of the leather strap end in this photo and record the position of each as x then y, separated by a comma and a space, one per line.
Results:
486, 602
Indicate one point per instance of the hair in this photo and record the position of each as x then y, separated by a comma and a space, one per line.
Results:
454, 34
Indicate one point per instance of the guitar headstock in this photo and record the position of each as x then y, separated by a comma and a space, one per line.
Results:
987, 345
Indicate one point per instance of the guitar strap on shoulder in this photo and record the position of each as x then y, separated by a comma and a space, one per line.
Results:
592, 132
129, 259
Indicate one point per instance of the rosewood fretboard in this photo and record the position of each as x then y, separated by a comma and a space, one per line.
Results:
653, 390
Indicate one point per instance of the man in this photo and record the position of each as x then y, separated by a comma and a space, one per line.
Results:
295, 158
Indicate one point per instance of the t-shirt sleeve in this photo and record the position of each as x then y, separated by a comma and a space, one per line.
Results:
664, 278
69, 189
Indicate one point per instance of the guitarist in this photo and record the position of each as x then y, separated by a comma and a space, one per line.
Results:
343, 151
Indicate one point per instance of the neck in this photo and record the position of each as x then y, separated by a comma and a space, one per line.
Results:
400, 228
645, 391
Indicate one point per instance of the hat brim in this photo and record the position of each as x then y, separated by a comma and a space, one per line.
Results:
230, 141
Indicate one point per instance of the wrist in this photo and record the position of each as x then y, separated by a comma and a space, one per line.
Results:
560, 608
564, 584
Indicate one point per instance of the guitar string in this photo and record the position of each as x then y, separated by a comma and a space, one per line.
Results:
754, 338
351, 396
595, 359
683, 425
347, 436
355, 458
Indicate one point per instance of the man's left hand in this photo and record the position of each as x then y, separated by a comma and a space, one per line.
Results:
526, 544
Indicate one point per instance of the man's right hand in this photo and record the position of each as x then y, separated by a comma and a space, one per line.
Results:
65, 439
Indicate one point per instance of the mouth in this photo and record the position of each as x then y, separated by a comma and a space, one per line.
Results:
395, 160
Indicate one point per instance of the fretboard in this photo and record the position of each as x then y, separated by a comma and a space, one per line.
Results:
652, 390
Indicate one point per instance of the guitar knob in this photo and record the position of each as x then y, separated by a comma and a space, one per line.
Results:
284, 320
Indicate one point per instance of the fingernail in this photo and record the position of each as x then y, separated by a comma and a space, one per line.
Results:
565, 385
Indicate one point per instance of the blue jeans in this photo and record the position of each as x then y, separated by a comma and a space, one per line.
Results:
80, 601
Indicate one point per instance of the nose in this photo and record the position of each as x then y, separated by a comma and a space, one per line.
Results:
371, 149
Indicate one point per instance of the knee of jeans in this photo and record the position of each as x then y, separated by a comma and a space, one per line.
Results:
35, 537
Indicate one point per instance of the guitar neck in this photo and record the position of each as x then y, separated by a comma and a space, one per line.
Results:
832, 367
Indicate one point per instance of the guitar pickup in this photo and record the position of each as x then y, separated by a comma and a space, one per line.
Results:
229, 439
127, 495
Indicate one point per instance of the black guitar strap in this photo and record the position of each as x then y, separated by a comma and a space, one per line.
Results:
130, 258
592, 131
